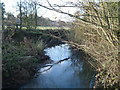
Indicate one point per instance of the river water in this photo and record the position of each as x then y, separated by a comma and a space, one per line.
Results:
71, 73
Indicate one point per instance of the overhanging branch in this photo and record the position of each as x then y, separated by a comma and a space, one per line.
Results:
77, 17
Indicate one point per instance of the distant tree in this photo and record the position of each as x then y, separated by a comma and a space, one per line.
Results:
10, 20
61, 23
3, 13
35, 8
27, 13
19, 16
20, 9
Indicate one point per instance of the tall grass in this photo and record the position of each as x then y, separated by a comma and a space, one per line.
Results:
34, 47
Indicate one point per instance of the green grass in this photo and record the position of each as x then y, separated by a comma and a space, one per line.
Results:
47, 28
12, 52
35, 60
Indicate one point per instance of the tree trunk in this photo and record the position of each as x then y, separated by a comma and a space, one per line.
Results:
35, 16
20, 15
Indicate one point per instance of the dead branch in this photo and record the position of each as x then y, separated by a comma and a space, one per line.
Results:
50, 66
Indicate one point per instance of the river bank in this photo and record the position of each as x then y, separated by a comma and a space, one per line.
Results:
18, 68
22, 58
23, 71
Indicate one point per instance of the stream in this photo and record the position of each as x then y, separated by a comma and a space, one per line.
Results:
71, 73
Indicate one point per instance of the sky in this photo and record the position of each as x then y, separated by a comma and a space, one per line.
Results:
10, 6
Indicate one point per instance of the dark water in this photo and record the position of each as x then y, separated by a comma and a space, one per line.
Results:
71, 73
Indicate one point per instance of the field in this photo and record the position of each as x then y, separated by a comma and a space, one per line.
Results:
45, 27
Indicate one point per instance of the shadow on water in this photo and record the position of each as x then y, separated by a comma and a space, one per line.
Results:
71, 73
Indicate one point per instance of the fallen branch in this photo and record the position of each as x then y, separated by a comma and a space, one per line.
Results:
50, 66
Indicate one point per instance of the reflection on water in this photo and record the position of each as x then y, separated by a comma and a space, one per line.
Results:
73, 73
58, 52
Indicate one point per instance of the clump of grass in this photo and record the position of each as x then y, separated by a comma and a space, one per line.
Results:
34, 47
39, 45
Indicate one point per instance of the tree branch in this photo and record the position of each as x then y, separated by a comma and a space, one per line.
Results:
50, 66
77, 17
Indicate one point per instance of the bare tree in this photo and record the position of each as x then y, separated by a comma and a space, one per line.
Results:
27, 13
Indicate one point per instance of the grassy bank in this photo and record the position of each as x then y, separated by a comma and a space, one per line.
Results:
20, 60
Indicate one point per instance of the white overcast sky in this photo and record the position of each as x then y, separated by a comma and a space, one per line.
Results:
10, 6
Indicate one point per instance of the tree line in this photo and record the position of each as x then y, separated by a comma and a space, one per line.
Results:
27, 16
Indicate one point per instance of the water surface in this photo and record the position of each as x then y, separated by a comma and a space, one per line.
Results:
71, 73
